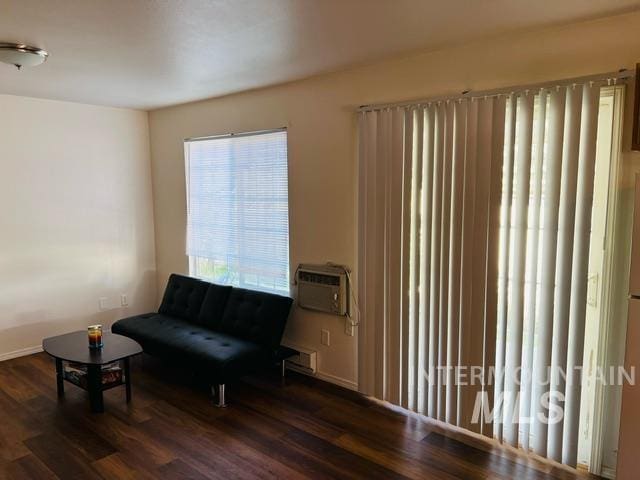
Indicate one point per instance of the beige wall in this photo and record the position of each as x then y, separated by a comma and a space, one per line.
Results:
76, 218
319, 113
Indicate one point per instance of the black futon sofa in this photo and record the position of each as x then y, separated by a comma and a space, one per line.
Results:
223, 332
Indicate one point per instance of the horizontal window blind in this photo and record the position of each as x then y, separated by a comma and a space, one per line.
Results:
238, 210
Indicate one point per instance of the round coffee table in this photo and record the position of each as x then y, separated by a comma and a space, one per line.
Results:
74, 347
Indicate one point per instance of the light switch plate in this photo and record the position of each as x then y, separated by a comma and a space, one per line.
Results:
124, 300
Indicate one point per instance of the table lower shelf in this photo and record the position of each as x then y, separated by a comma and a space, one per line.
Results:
84, 385
111, 375
91, 378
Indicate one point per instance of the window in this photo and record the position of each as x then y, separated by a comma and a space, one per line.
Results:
238, 210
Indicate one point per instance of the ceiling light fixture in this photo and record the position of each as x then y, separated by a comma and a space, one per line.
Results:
22, 55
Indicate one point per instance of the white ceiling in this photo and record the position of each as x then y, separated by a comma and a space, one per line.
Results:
152, 53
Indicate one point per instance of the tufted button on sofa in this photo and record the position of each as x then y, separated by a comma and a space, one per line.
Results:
222, 331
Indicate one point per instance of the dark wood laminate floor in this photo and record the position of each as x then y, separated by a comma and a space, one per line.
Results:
302, 429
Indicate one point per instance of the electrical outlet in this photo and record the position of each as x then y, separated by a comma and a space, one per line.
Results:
325, 338
124, 301
103, 303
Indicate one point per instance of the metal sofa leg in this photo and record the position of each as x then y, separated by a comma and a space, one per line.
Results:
220, 403
284, 367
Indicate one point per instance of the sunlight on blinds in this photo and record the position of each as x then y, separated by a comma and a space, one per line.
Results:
238, 210
474, 240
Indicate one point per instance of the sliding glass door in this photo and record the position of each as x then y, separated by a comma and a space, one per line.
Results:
482, 224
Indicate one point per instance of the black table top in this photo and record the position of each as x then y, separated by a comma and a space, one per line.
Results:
74, 347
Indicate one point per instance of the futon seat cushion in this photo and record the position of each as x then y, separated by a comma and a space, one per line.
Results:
220, 356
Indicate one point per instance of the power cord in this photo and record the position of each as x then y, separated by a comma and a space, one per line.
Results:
347, 272
355, 301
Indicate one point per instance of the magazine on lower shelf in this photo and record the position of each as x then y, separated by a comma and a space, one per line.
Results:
77, 373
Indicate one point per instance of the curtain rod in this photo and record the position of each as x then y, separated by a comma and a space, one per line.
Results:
612, 78
240, 134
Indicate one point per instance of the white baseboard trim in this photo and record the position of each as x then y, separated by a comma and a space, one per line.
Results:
20, 353
27, 351
325, 377
608, 472
342, 382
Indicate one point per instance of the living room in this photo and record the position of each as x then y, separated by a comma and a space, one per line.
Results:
281, 216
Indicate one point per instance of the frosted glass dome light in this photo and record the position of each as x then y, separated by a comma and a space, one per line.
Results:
22, 55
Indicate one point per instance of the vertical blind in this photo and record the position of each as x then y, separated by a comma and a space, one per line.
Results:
238, 210
474, 230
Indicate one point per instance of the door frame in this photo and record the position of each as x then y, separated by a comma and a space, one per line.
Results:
607, 297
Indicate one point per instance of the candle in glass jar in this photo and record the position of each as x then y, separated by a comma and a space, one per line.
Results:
95, 336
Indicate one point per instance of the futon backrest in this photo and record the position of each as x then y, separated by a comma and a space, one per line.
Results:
183, 297
256, 316
214, 304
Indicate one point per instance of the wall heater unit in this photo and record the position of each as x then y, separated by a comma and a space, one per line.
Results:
305, 361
